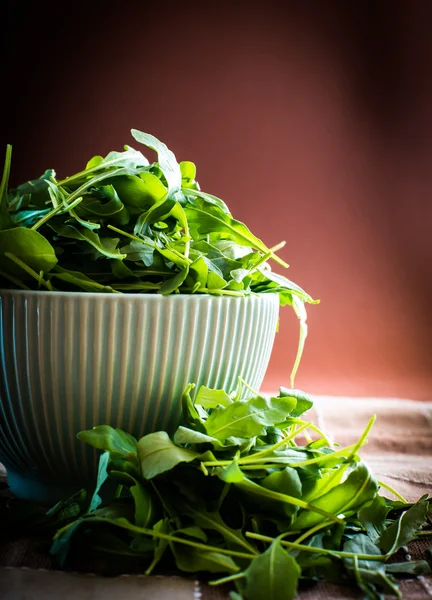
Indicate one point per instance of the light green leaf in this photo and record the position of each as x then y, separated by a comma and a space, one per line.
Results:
304, 400
247, 419
211, 398
29, 246
166, 159
184, 435
359, 488
157, 454
139, 192
129, 159
104, 437
204, 218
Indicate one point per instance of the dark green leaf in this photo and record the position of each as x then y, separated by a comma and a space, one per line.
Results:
403, 530
370, 575
415, 567
106, 246
191, 560
145, 509
373, 517
272, 575
162, 526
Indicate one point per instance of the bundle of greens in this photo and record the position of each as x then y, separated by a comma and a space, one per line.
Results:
125, 225
232, 493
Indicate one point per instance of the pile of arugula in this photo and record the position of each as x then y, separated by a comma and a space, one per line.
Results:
124, 224
232, 493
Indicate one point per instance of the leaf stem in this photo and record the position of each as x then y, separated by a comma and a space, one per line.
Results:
311, 531
392, 490
314, 428
322, 458
246, 385
214, 291
337, 553
173, 538
282, 442
5, 176
339, 471
131, 236
363, 438
28, 269
227, 579
58, 209
278, 247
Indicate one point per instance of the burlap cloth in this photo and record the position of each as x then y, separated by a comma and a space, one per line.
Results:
399, 452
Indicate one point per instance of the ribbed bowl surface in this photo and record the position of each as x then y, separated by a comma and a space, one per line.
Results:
70, 361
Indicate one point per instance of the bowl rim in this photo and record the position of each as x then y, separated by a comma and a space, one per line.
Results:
150, 296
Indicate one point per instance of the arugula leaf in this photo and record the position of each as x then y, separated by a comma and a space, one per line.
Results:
102, 476
209, 398
415, 567
205, 217
304, 401
167, 161
157, 454
248, 419
162, 526
5, 219
369, 575
30, 247
184, 435
129, 159
273, 575
105, 246
403, 530
191, 560
373, 517
358, 488
80, 280
115, 441
213, 510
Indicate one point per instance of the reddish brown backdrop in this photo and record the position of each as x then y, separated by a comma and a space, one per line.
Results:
312, 120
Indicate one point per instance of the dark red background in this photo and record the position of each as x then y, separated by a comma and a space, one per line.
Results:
311, 119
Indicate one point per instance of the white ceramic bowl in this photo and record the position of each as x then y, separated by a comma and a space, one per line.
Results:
70, 361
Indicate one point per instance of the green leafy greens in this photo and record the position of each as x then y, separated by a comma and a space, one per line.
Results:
249, 490
125, 225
